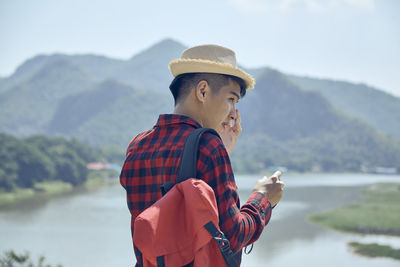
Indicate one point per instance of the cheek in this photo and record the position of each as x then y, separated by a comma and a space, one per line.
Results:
229, 107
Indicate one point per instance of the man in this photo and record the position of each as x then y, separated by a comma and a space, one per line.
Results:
206, 87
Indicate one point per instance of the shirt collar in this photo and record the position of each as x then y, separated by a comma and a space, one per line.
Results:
169, 119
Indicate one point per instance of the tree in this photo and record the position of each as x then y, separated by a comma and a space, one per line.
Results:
11, 259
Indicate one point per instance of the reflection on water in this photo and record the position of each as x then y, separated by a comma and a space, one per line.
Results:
93, 229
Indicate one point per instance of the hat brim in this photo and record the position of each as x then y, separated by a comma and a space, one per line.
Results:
181, 66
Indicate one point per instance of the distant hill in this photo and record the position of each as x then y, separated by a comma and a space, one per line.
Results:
149, 69
287, 120
28, 106
38, 85
109, 113
278, 107
302, 129
373, 106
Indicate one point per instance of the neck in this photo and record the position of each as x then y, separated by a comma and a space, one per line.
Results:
189, 111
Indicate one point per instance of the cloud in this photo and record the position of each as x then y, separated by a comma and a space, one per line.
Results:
250, 6
315, 5
359, 4
261, 6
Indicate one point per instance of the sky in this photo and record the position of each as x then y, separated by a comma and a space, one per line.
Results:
351, 40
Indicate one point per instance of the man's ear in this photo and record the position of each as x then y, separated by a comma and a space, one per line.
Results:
202, 90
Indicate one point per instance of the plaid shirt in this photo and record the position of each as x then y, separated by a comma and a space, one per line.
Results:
153, 158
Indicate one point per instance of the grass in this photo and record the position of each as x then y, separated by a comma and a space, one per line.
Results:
40, 190
16, 196
375, 250
379, 213
98, 179
53, 188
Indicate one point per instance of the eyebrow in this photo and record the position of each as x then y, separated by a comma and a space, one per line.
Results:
235, 94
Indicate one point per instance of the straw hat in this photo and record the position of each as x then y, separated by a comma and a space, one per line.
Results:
209, 59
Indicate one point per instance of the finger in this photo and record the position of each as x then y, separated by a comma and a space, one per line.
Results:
238, 119
277, 174
237, 128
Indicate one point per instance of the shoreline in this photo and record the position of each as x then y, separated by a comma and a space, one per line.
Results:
46, 190
378, 213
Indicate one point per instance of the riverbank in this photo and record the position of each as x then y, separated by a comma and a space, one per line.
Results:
48, 189
378, 213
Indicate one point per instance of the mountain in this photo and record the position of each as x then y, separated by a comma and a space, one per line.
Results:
283, 123
38, 85
287, 120
149, 69
278, 104
109, 113
26, 107
361, 101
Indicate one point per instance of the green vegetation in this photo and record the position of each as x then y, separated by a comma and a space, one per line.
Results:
286, 126
99, 178
375, 250
356, 99
379, 213
302, 124
27, 162
44, 166
42, 189
12, 259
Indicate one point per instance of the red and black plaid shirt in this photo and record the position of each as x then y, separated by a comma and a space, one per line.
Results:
153, 158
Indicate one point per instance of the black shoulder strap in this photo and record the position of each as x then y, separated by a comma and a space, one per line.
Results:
188, 167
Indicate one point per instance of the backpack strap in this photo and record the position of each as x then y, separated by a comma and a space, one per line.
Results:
188, 169
160, 261
223, 244
188, 166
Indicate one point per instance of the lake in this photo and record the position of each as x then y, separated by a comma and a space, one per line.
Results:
87, 229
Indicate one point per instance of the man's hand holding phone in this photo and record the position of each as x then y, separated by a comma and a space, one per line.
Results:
271, 187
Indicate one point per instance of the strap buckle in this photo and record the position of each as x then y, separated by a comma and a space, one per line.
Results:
223, 242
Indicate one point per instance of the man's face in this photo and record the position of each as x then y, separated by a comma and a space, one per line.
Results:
220, 107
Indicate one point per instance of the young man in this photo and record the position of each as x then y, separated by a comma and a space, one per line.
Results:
206, 87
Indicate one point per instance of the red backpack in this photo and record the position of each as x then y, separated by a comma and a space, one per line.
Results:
182, 228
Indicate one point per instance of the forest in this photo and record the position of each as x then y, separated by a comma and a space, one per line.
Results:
25, 162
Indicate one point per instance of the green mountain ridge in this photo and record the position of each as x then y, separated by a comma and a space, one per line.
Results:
110, 113
280, 105
284, 123
286, 120
377, 108
26, 108
149, 69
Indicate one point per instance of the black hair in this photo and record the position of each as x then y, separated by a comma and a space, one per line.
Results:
182, 84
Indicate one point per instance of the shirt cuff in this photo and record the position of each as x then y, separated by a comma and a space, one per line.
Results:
261, 202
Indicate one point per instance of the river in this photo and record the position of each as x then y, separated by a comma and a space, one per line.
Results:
86, 229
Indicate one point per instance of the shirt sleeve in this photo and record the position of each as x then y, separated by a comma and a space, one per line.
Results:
242, 225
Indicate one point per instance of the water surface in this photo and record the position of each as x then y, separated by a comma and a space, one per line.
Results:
93, 228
